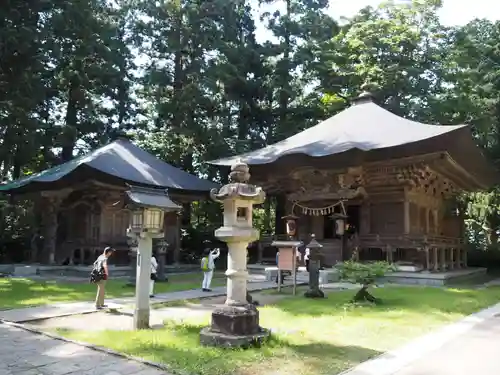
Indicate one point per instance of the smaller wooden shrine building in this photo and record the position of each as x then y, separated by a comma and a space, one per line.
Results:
396, 179
78, 203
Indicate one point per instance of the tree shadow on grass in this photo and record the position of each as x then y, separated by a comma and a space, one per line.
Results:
416, 299
186, 355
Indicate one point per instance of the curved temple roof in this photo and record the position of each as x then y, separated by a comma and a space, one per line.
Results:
124, 160
364, 126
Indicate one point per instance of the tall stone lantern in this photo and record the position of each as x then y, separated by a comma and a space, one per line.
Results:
314, 264
236, 324
147, 211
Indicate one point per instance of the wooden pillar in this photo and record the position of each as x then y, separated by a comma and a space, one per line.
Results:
70, 251
279, 224
465, 257
50, 225
365, 219
388, 250
427, 259
177, 247
418, 219
427, 220
407, 217
435, 260
457, 257
452, 258
442, 259
36, 238
260, 252
437, 229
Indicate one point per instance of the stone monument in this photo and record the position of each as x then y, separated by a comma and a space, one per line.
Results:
314, 265
236, 324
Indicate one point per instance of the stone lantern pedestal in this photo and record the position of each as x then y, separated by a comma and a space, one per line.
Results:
236, 324
314, 265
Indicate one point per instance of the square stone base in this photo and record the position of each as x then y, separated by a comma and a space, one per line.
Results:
211, 338
236, 320
234, 326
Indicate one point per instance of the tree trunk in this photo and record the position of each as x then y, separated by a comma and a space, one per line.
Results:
364, 296
69, 131
267, 216
285, 78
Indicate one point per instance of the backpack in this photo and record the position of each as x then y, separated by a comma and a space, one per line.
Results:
204, 264
97, 273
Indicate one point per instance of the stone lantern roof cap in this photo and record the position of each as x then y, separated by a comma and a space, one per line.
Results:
148, 197
239, 188
313, 244
337, 215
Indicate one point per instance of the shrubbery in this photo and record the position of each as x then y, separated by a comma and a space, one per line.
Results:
365, 274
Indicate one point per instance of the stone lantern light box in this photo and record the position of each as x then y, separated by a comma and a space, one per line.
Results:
147, 209
340, 223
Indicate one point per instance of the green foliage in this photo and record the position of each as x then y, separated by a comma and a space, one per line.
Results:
192, 81
363, 273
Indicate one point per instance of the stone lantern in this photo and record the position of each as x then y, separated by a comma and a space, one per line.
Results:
236, 324
291, 225
314, 265
340, 223
148, 207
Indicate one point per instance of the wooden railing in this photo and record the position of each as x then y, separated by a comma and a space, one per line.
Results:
409, 241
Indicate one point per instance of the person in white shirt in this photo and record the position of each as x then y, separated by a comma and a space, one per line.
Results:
154, 269
208, 266
307, 256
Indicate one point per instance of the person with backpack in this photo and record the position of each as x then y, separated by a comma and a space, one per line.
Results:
207, 267
100, 275
154, 269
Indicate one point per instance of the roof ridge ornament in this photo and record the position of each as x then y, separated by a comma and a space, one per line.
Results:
364, 97
367, 95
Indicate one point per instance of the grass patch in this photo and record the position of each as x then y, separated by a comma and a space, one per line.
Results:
20, 292
312, 336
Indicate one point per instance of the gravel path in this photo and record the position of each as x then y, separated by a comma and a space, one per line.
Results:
26, 353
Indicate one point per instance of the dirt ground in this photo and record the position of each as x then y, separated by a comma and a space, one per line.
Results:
104, 320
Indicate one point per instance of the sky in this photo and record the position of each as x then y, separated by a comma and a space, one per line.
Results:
454, 12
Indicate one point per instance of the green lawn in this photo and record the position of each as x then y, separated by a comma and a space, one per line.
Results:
20, 292
313, 336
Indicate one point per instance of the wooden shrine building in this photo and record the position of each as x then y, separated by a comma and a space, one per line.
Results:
79, 202
396, 179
